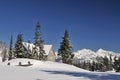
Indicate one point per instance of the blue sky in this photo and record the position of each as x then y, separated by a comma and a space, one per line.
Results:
92, 24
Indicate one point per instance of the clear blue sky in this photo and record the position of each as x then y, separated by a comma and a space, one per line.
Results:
91, 24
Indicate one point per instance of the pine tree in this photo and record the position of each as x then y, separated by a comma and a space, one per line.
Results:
116, 64
11, 49
35, 53
29, 41
84, 65
106, 63
93, 66
65, 50
39, 42
28, 51
19, 48
110, 63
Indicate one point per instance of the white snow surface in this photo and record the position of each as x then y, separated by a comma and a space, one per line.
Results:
85, 54
31, 46
46, 70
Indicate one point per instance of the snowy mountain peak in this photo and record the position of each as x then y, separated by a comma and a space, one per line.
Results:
101, 50
89, 55
85, 54
85, 51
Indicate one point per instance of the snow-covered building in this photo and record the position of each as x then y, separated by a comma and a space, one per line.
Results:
49, 50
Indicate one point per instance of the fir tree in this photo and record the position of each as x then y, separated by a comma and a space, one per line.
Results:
28, 51
19, 48
116, 64
29, 41
107, 63
39, 42
11, 49
93, 66
35, 53
65, 50
110, 63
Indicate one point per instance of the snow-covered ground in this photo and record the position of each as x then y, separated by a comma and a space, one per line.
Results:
49, 71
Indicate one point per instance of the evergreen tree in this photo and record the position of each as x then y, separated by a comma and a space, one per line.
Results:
89, 66
84, 65
29, 41
28, 51
35, 53
19, 48
107, 63
93, 66
65, 50
116, 64
110, 63
11, 49
39, 42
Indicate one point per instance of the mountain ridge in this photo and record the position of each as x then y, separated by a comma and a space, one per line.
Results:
90, 55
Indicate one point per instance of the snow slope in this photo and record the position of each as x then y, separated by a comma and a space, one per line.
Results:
49, 71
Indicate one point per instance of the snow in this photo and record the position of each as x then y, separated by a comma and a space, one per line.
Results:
46, 70
47, 48
85, 54
89, 55
30, 46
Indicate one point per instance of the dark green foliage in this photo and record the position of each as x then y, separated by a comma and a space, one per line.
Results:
11, 49
39, 43
110, 63
107, 63
19, 48
116, 64
41, 54
29, 41
93, 66
37, 35
34, 54
65, 50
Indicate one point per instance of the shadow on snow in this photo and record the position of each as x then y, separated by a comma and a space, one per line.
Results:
90, 75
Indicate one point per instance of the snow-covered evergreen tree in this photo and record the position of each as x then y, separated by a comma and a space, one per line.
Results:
19, 48
35, 53
39, 42
116, 64
65, 50
107, 63
11, 54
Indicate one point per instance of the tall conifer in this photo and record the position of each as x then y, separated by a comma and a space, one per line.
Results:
39, 42
19, 49
65, 50
11, 49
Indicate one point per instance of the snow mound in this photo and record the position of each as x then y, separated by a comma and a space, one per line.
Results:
44, 65
45, 70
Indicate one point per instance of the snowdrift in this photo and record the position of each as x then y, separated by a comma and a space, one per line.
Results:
45, 70
43, 65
